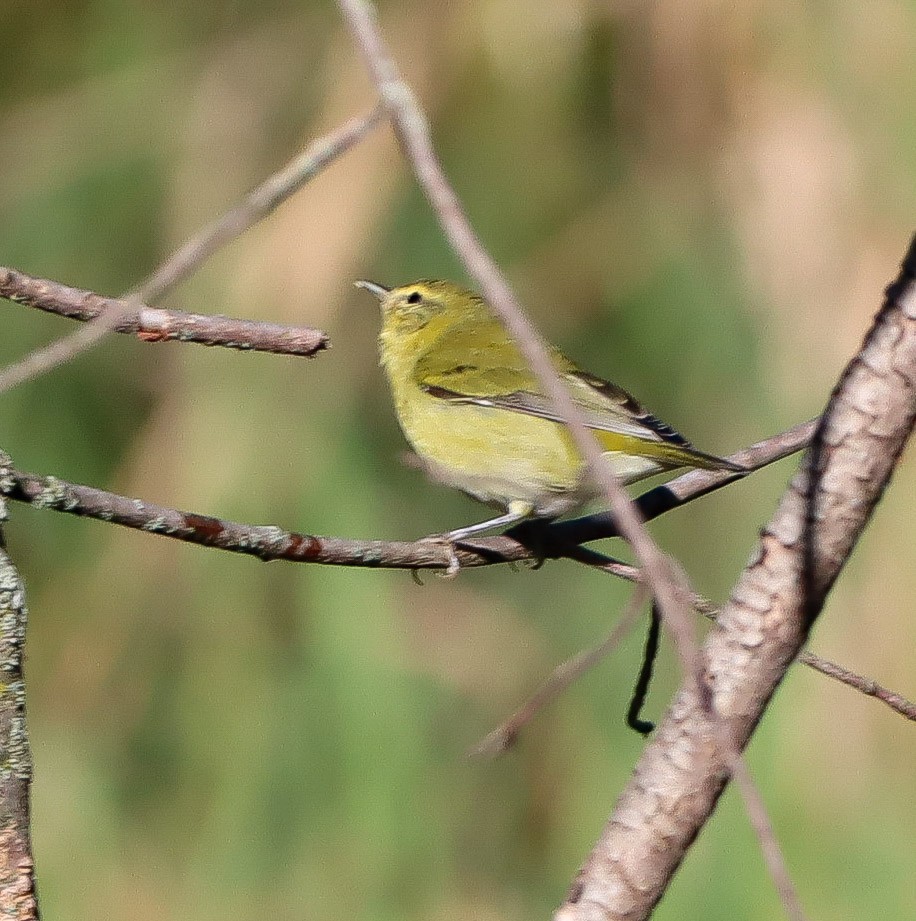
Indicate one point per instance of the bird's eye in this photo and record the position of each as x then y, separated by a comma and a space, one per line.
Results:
414, 297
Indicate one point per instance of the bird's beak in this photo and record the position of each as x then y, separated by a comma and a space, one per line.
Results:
373, 288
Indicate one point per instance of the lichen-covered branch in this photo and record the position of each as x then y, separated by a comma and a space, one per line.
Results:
17, 877
759, 633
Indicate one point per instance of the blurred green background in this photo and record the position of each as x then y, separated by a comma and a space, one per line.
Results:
701, 201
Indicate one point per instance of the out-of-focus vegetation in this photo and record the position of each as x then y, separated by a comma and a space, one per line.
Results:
702, 201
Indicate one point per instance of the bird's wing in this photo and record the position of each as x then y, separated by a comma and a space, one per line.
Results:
479, 364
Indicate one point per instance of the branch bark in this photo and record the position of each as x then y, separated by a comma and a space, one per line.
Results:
188, 257
761, 630
17, 879
153, 324
268, 542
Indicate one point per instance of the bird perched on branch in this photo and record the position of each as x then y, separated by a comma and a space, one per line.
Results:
479, 419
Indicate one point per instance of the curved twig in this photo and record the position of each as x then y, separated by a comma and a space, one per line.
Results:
189, 256
668, 584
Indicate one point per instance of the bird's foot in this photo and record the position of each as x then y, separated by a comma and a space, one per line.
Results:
447, 542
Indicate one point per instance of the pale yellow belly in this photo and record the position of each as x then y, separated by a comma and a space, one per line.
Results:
499, 456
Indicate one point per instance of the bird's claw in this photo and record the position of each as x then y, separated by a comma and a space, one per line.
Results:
447, 542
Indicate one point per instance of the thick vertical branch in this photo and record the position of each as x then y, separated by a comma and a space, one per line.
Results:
681, 774
17, 879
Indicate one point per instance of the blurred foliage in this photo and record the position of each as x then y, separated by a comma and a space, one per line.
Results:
701, 201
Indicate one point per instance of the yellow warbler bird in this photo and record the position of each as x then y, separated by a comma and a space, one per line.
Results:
478, 417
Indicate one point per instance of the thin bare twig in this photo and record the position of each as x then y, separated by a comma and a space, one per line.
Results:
870, 688
62, 350
273, 543
264, 199
897, 702
153, 324
257, 205
504, 736
669, 588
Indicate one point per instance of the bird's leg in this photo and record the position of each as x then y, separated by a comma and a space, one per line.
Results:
517, 510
